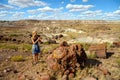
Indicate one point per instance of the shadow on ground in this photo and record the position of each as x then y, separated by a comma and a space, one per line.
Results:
92, 62
109, 54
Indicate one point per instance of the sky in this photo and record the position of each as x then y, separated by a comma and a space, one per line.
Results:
60, 9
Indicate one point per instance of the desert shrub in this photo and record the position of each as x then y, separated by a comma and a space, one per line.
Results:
15, 35
46, 43
21, 47
26, 47
91, 55
49, 48
72, 35
109, 45
85, 45
118, 61
8, 46
17, 58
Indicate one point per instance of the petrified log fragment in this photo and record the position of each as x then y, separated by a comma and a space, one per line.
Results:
66, 58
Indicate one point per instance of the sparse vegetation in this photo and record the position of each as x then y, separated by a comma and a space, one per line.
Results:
25, 47
15, 35
109, 45
19, 47
17, 58
72, 35
13, 53
49, 48
118, 61
8, 46
91, 55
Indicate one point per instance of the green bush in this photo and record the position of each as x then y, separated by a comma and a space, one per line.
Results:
17, 58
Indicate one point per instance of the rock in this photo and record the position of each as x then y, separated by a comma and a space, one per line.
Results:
5, 71
99, 50
60, 36
6, 60
50, 41
64, 58
8, 70
71, 75
116, 44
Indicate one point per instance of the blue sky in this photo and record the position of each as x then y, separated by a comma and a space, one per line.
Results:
60, 9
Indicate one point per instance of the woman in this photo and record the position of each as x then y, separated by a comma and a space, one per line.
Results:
35, 47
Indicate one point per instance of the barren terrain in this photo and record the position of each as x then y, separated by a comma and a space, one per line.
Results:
16, 56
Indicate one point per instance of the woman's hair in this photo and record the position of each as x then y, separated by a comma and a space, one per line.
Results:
34, 33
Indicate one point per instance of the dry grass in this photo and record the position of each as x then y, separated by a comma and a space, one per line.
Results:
118, 61
14, 46
17, 58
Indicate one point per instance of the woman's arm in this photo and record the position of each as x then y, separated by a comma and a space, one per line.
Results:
34, 42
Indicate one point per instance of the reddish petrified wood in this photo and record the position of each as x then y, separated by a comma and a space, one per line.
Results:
66, 58
99, 50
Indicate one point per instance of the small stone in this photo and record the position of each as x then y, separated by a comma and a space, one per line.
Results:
5, 71
8, 69
106, 72
6, 60
71, 75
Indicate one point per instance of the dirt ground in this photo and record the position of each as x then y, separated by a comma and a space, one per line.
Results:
15, 41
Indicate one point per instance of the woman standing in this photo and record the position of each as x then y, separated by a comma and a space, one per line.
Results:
35, 47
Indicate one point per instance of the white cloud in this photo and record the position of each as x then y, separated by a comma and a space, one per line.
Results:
3, 14
45, 9
73, 8
85, 0
18, 15
115, 15
4, 6
117, 12
32, 11
93, 13
48, 9
26, 3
